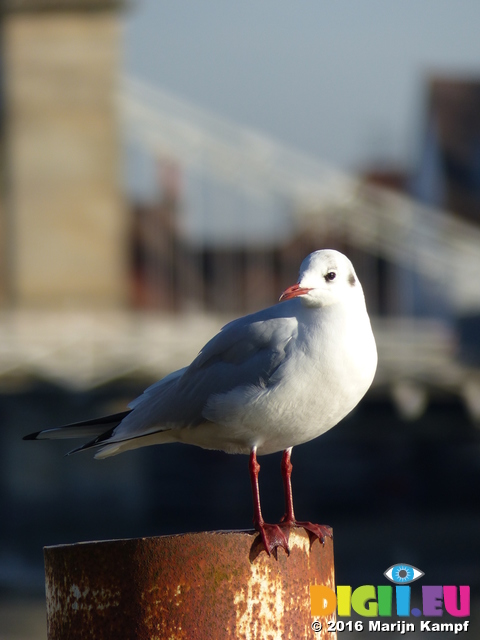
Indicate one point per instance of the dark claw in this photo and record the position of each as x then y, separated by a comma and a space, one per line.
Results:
320, 531
274, 536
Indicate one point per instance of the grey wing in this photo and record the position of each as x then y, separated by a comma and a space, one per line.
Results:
246, 352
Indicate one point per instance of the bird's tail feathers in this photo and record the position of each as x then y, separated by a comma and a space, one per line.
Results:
86, 429
101, 430
110, 447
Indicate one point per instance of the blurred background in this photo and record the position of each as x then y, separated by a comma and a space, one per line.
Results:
164, 168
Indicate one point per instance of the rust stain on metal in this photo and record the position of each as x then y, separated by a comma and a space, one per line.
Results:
211, 585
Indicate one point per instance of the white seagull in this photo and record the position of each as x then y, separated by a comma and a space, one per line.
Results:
266, 382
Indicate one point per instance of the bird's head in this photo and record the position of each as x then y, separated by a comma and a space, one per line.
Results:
326, 277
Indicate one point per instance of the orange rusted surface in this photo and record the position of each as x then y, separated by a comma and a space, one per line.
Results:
215, 585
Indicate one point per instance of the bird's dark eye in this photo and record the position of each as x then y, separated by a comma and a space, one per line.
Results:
331, 275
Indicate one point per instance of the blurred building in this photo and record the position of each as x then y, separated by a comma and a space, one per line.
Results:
63, 222
449, 172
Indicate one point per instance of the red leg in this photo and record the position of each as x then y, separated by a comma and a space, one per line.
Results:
319, 531
272, 534
286, 469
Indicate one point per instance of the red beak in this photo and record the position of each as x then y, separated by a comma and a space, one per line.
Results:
292, 292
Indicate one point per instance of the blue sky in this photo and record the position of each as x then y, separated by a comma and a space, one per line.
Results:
341, 79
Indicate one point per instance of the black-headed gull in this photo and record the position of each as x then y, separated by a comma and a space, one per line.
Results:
266, 382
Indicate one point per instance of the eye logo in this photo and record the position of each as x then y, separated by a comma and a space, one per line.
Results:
403, 573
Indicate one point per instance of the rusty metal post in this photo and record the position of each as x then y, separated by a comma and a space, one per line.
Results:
215, 585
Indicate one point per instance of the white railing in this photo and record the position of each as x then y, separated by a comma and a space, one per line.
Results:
243, 188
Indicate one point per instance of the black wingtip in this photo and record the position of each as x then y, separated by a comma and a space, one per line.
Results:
102, 422
32, 436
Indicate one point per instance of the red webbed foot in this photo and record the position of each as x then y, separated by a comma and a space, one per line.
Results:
273, 536
320, 531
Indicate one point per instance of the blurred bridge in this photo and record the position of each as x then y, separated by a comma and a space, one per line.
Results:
245, 188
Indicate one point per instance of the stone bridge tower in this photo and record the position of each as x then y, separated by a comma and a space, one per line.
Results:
63, 222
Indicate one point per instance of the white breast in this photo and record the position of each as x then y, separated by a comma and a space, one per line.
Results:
330, 367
